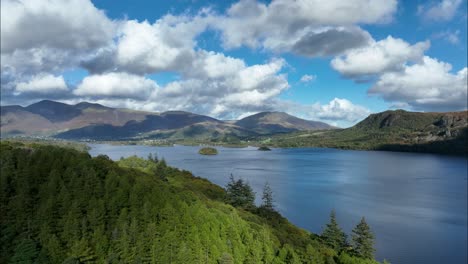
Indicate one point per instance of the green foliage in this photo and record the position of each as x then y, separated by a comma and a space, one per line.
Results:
333, 235
363, 240
208, 151
267, 198
239, 193
62, 206
345, 258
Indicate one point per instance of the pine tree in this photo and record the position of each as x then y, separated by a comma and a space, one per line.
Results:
363, 240
267, 198
239, 193
333, 234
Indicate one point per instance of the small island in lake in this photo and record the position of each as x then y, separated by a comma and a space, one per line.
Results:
208, 151
264, 148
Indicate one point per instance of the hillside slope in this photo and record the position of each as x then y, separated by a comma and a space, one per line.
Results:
62, 206
278, 122
398, 130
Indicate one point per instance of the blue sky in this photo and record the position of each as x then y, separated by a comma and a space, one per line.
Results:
333, 61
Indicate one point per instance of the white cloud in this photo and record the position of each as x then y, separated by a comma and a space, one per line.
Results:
443, 10
428, 85
42, 84
119, 85
166, 45
303, 27
217, 85
340, 109
389, 54
209, 64
71, 24
228, 93
308, 78
453, 37
50, 36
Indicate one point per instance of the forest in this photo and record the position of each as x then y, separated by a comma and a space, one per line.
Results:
60, 205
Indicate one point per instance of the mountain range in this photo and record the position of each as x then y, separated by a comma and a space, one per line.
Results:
97, 122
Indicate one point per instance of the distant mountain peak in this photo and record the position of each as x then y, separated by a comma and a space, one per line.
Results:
84, 105
46, 102
54, 111
279, 122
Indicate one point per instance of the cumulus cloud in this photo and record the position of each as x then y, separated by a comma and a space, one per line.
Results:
141, 47
340, 109
330, 41
231, 90
116, 85
42, 84
443, 10
213, 84
386, 55
252, 89
428, 85
73, 24
308, 78
214, 65
303, 27
50, 36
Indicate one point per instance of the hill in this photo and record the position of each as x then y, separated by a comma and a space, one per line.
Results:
60, 205
399, 130
278, 122
93, 121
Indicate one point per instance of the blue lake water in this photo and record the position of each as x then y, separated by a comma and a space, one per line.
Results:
416, 204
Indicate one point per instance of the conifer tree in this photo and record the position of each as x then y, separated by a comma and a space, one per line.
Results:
267, 198
333, 234
363, 240
239, 193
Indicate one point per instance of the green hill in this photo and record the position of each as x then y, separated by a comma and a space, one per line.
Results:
279, 122
399, 130
60, 205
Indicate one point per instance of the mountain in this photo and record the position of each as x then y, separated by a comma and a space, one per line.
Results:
278, 122
94, 121
396, 130
54, 111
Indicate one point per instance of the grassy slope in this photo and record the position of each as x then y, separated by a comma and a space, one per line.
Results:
62, 206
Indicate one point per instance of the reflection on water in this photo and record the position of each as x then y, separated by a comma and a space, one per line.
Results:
415, 203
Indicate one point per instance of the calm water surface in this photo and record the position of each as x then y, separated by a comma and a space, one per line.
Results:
416, 204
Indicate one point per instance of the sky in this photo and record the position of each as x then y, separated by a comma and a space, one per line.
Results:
334, 61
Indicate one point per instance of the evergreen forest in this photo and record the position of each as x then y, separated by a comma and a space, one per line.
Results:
60, 205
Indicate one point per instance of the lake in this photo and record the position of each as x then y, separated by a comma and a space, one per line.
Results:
416, 204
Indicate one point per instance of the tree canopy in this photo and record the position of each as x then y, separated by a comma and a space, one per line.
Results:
239, 193
62, 206
333, 235
363, 240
